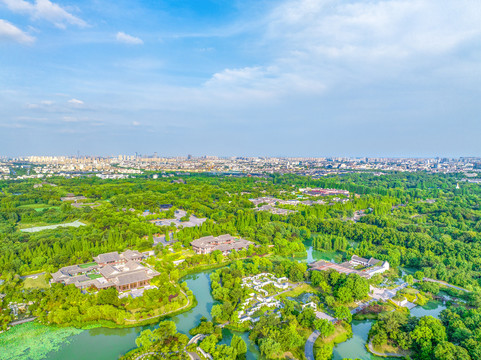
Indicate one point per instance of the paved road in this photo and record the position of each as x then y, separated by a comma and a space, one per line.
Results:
445, 284
193, 355
309, 348
389, 296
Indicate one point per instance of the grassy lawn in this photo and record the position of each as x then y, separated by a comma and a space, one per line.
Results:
389, 348
303, 288
94, 276
38, 207
84, 266
32, 224
33, 206
40, 283
340, 335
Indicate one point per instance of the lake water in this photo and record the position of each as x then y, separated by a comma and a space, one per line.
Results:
432, 308
355, 347
108, 344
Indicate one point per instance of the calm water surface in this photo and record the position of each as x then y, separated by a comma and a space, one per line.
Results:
355, 347
432, 308
108, 344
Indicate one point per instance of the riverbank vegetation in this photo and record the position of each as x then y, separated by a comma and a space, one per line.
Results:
164, 342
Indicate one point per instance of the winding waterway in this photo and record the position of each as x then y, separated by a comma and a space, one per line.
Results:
109, 344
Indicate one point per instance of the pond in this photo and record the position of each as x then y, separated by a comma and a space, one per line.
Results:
355, 347
109, 344
432, 308
252, 349
315, 255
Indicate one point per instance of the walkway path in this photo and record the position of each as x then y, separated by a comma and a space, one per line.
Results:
371, 349
145, 355
445, 284
196, 338
18, 322
32, 275
170, 312
193, 355
309, 348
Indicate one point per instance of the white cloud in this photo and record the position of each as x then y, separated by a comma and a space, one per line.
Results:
128, 39
374, 30
76, 102
135, 123
45, 10
47, 102
12, 33
314, 45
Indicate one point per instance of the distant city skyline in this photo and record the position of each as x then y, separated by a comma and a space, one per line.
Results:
307, 78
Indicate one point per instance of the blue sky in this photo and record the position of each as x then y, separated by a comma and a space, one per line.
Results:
263, 77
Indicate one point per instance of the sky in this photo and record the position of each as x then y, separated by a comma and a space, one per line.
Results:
394, 78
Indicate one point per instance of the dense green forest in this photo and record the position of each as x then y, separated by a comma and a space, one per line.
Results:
420, 221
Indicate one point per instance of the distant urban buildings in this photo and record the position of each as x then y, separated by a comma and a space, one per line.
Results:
124, 166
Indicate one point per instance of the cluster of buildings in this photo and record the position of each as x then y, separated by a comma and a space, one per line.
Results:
72, 197
268, 200
123, 271
366, 268
259, 300
178, 220
122, 166
268, 203
275, 210
224, 243
324, 192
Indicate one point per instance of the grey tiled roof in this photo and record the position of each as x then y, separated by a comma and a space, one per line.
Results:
131, 254
108, 257
109, 271
224, 242
131, 277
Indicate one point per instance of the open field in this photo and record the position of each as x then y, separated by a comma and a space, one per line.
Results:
75, 223
38, 283
38, 207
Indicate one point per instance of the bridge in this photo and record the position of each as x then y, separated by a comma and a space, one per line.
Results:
196, 338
